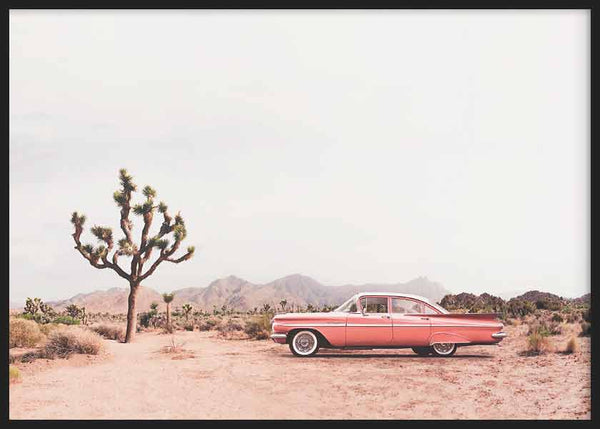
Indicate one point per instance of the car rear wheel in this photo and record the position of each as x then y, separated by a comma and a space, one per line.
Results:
304, 344
422, 351
443, 349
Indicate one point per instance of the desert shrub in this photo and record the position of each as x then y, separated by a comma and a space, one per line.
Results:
40, 318
572, 346
544, 329
14, 375
573, 317
145, 320
556, 317
519, 308
72, 340
48, 327
258, 327
555, 328
537, 343
66, 320
189, 327
209, 324
548, 304
24, 333
230, 326
110, 332
586, 329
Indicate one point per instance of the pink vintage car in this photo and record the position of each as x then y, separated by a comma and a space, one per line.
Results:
378, 320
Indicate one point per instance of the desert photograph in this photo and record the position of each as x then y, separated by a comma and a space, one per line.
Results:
299, 215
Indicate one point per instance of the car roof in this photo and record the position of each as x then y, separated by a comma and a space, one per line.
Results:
397, 294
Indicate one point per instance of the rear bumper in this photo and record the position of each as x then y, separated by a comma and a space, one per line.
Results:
499, 335
279, 338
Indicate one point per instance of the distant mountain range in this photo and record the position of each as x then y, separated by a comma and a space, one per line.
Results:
240, 294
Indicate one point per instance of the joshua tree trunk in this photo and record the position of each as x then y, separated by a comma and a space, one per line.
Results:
131, 313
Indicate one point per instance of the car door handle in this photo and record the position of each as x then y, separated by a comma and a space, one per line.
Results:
424, 318
385, 316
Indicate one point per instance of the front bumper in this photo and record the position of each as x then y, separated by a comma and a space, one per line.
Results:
499, 335
279, 338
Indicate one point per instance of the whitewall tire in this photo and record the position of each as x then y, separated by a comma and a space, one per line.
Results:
304, 344
443, 349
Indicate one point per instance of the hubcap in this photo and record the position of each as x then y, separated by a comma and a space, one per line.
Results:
304, 343
443, 348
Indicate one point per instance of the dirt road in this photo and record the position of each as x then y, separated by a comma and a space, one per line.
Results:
243, 379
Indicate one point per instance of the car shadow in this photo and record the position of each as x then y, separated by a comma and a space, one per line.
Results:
390, 356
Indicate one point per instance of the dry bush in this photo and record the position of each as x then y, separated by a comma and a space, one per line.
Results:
48, 327
572, 346
230, 326
544, 328
167, 329
177, 350
189, 327
72, 340
173, 347
537, 344
209, 324
24, 333
109, 331
14, 375
258, 327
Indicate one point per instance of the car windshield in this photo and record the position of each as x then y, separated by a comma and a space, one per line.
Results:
438, 307
349, 306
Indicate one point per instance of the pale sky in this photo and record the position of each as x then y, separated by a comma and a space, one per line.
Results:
352, 147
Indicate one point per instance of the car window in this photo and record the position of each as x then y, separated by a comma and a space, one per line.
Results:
406, 306
374, 304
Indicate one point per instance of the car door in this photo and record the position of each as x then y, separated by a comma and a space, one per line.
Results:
410, 325
374, 327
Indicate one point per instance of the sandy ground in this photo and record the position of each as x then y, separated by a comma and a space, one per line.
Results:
244, 379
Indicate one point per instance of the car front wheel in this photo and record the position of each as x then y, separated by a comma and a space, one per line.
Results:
304, 344
443, 349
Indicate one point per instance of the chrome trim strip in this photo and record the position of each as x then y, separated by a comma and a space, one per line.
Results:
370, 326
308, 324
278, 335
499, 335
465, 326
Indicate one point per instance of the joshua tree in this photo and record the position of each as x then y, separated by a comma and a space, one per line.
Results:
168, 298
186, 308
73, 311
140, 254
283, 303
32, 306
